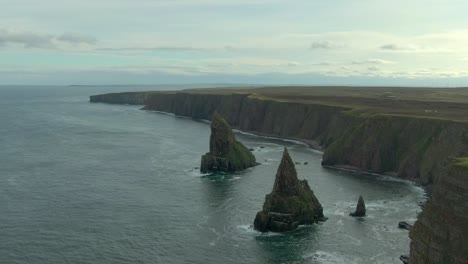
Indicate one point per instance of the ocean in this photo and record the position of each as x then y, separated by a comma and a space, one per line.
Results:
97, 183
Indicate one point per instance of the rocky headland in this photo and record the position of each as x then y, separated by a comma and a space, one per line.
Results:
290, 204
226, 153
411, 133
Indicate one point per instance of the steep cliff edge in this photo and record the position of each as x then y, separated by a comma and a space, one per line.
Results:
226, 153
441, 233
134, 98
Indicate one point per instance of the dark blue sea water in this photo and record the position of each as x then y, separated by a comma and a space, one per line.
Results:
98, 183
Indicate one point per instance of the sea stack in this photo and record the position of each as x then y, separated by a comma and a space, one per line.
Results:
290, 204
360, 208
226, 153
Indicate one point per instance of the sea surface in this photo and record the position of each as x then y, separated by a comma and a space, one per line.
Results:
97, 183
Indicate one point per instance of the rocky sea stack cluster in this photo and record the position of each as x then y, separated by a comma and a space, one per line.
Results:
226, 153
290, 204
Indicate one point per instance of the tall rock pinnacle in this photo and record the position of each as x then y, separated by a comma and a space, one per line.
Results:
360, 208
290, 204
226, 153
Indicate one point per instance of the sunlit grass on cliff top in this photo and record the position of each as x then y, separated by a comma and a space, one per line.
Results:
399, 102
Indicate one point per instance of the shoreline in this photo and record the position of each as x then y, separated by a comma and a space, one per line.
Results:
307, 144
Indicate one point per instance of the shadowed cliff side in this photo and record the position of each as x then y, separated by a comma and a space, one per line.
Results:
226, 153
290, 204
440, 235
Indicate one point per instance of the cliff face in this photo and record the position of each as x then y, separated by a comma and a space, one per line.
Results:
290, 204
414, 148
226, 153
410, 148
134, 98
441, 233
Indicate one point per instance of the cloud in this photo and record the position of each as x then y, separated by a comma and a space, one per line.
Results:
75, 38
412, 48
372, 61
27, 39
323, 44
43, 41
293, 63
148, 48
398, 47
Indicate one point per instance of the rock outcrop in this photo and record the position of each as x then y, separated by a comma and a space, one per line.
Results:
404, 225
440, 235
360, 208
226, 153
290, 204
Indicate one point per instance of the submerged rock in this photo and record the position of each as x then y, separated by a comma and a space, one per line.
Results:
404, 225
226, 153
360, 208
290, 204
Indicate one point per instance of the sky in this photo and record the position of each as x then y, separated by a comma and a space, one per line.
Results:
352, 42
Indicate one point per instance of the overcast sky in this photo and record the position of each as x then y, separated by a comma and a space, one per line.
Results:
417, 42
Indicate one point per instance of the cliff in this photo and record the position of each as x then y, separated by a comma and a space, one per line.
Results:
133, 98
441, 233
410, 147
410, 133
226, 153
291, 202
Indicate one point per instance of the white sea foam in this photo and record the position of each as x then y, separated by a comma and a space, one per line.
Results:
234, 178
196, 173
330, 258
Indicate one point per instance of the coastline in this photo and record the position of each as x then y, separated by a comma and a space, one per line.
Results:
414, 148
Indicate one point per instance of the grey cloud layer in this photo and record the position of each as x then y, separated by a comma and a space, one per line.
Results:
324, 44
43, 41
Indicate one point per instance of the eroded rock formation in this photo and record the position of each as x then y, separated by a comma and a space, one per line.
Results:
290, 204
226, 153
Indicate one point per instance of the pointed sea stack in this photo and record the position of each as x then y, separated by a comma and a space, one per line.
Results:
226, 153
360, 208
290, 204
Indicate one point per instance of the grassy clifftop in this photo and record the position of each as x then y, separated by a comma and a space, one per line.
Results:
462, 163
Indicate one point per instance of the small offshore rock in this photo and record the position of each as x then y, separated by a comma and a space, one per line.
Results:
360, 208
404, 259
305, 162
404, 225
